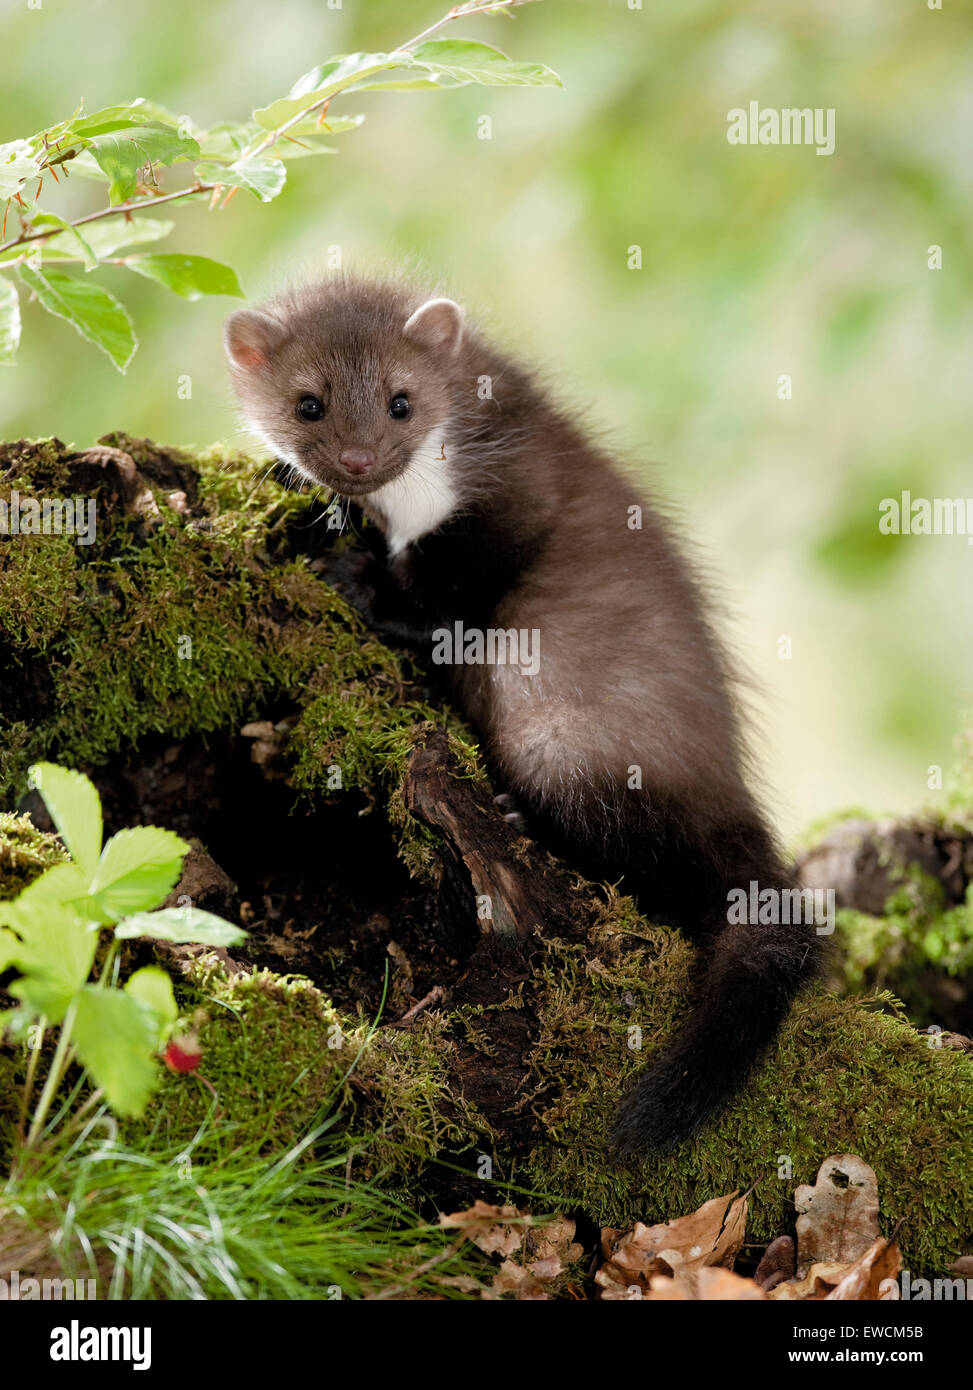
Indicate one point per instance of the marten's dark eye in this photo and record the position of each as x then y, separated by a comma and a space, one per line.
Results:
310, 408
399, 407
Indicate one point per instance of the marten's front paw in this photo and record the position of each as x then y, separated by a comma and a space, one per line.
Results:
512, 813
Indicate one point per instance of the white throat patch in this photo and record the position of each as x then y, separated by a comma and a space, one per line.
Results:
420, 499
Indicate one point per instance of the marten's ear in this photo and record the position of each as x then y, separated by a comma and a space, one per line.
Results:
250, 337
437, 326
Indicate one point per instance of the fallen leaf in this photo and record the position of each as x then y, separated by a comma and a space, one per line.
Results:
863, 1280
837, 1217
859, 1281
513, 1278
555, 1239
815, 1285
532, 1256
710, 1236
705, 1285
494, 1230
465, 1283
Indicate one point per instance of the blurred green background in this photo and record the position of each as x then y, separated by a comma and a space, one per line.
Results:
757, 261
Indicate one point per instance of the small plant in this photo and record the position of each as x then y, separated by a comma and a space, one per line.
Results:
52, 934
125, 147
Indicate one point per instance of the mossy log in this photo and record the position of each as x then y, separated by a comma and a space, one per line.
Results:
195, 662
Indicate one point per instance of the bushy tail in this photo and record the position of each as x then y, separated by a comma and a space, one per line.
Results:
746, 992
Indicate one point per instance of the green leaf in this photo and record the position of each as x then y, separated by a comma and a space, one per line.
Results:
331, 125
264, 176
137, 869
74, 243
140, 115
75, 808
153, 988
326, 81
43, 993
60, 886
90, 310
8, 949
16, 164
108, 118
105, 238
445, 62
121, 156
188, 925
56, 951
467, 61
190, 276
430, 83
17, 1022
9, 321
115, 1034
154, 111
87, 166
305, 150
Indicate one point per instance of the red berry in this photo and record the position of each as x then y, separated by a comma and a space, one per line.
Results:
182, 1056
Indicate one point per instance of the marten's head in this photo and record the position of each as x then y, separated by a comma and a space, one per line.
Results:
348, 382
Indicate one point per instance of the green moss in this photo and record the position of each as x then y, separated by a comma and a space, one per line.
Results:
182, 628
37, 589
25, 852
407, 1112
264, 1041
908, 948
280, 1057
844, 1077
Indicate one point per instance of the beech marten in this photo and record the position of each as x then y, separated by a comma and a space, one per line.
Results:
620, 743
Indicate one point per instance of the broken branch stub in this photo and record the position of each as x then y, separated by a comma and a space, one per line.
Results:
490, 876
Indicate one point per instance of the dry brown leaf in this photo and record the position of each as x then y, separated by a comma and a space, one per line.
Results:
710, 1236
514, 1278
837, 1217
532, 1256
863, 1279
705, 1285
464, 1282
816, 1284
555, 1240
494, 1230
860, 1280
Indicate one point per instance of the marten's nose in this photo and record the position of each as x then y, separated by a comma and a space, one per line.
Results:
357, 461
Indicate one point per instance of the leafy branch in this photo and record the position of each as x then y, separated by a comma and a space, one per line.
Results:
127, 146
